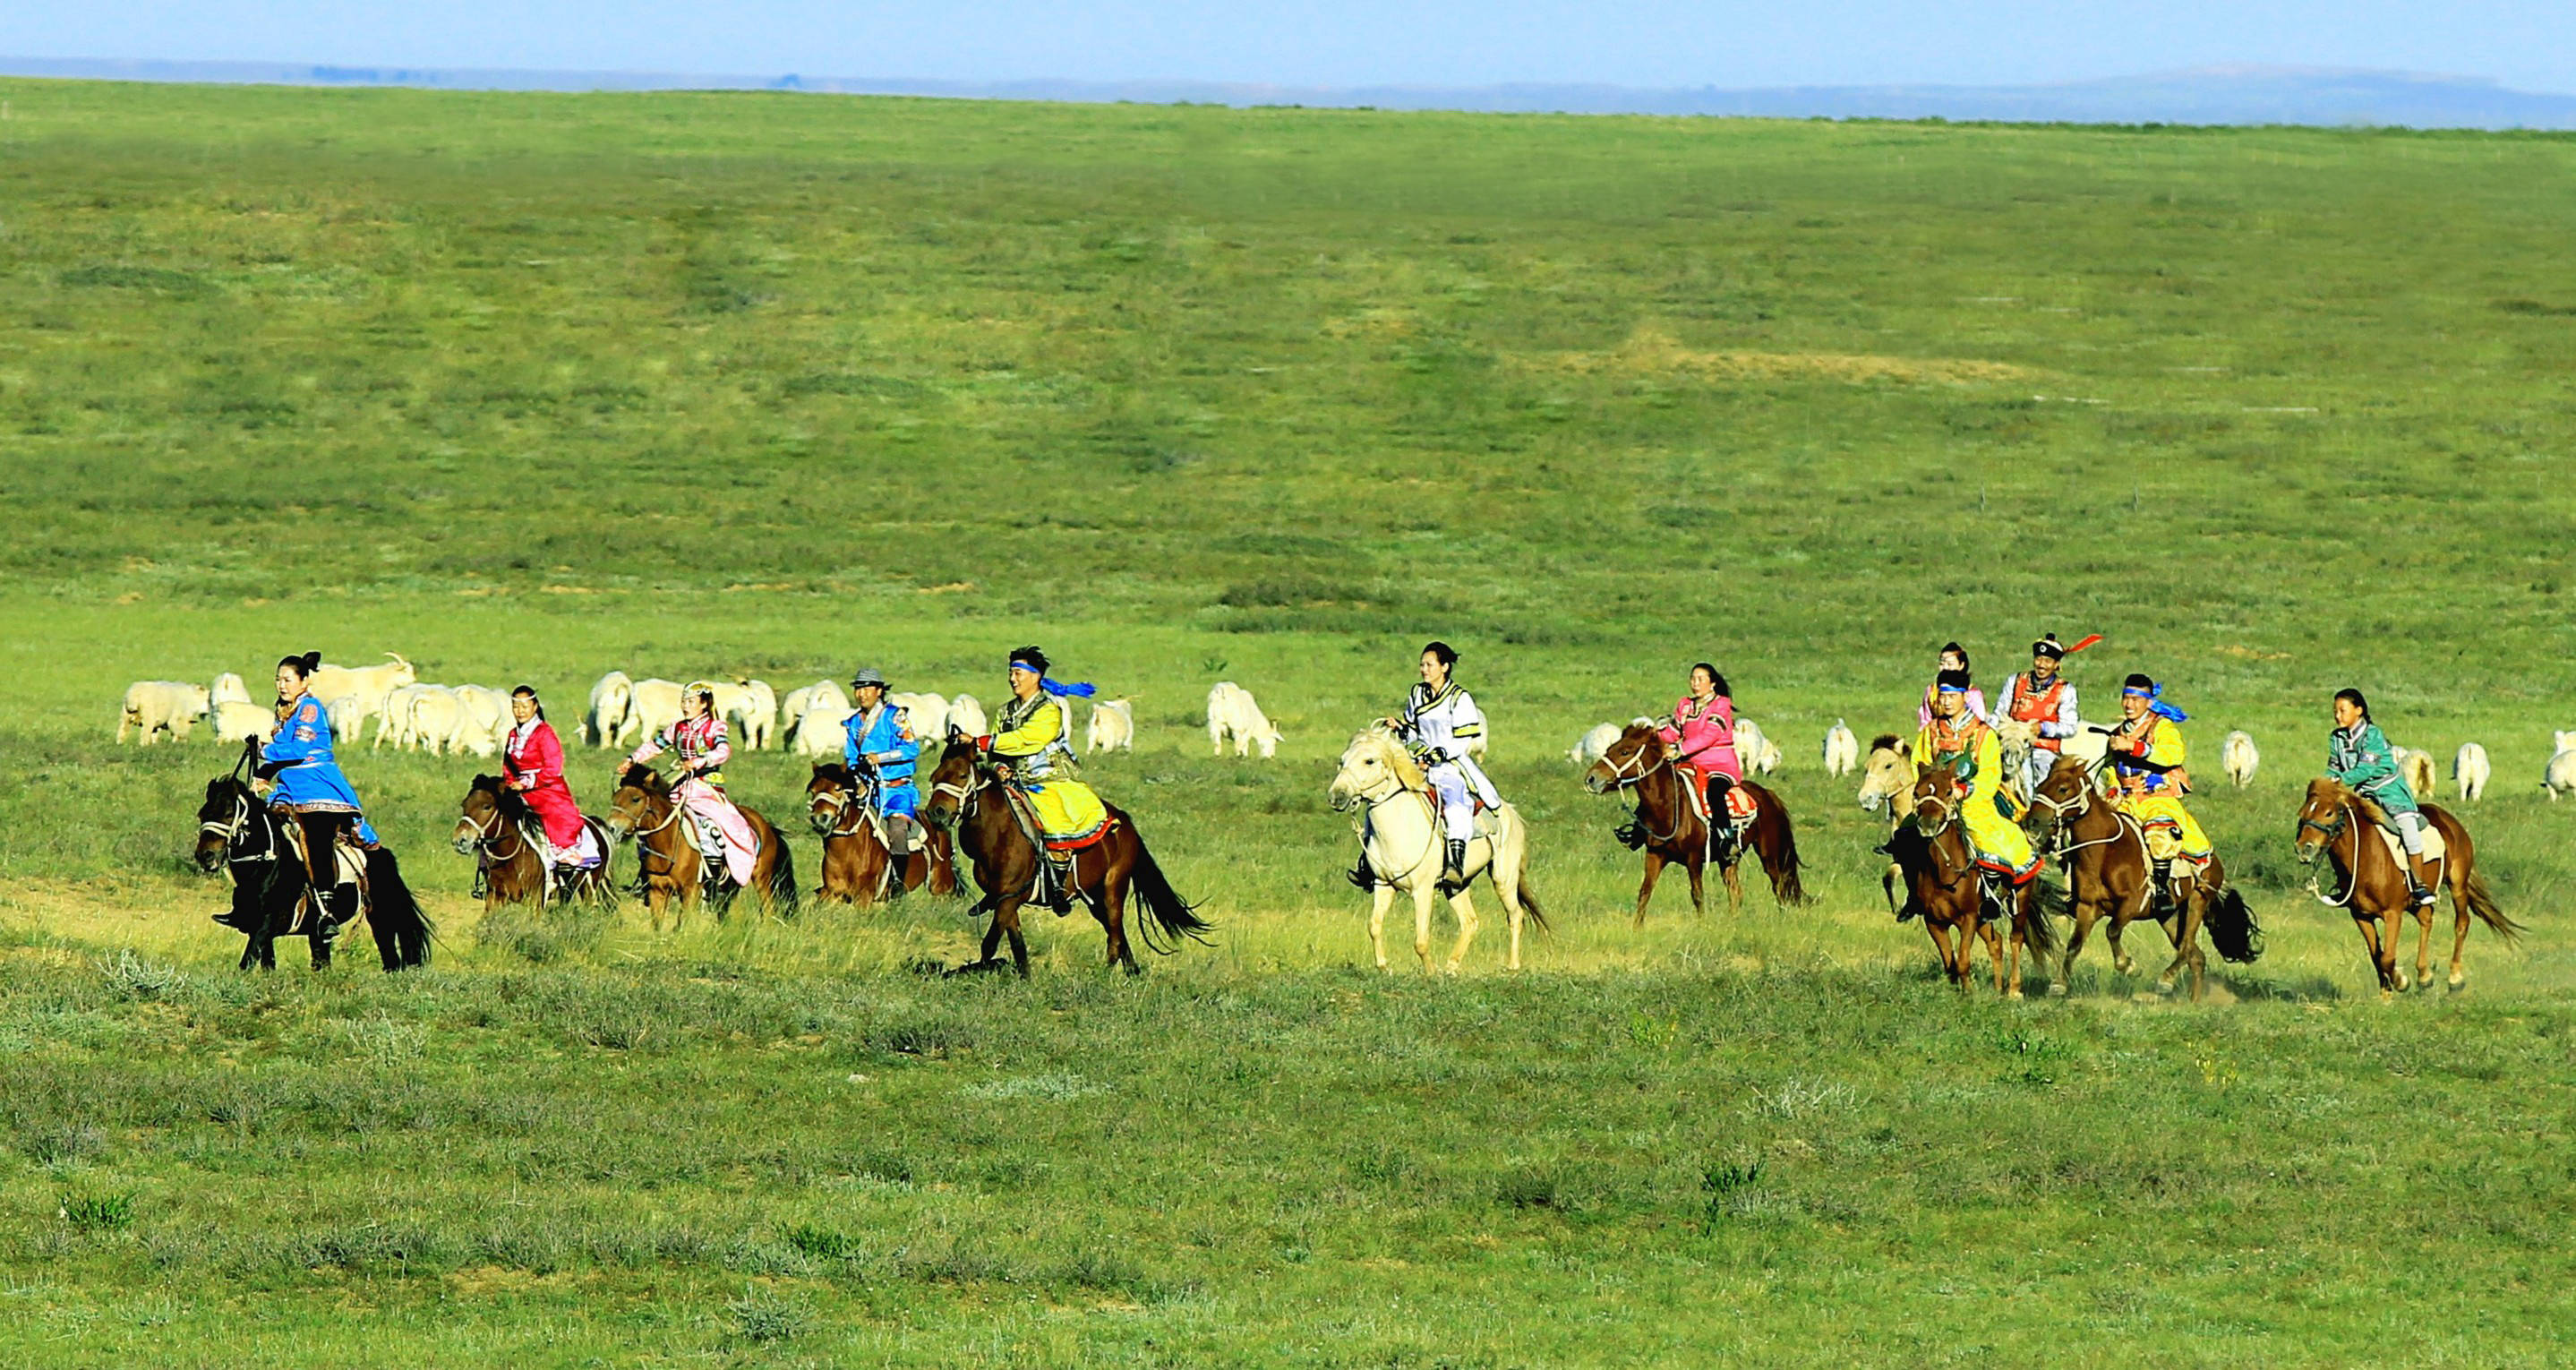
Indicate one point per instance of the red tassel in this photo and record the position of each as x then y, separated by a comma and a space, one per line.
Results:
2083, 642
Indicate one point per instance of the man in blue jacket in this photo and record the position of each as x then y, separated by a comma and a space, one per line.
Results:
881, 748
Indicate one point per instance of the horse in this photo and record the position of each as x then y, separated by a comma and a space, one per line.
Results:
996, 835
1669, 826
858, 866
273, 892
495, 824
1942, 875
666, 851
1401, 835
2109, 872
2332, 823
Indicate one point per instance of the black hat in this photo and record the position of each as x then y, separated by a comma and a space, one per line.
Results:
2048, 646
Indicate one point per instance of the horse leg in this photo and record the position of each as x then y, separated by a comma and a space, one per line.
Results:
1380, 900
2460, 936
1422, 895
2424, 941
1019, 943
2384, 965
1506, 874
2021, 920
1941, 947
1646, 891
1465, 908
1994, 953
1111, 910
2085, 914
992, 938
1697, 866
2393, 928
1732, 873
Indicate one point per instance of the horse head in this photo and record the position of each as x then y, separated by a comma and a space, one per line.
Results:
829, 796
954, 779
2059, 797
1935, 796
1888, 773
2323, 816
1373, 766
224, 819
1625, 762
641, 798
480, 818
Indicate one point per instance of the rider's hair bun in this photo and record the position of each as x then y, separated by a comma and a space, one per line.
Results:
304, 665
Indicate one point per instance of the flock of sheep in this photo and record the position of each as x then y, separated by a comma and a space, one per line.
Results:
808, 722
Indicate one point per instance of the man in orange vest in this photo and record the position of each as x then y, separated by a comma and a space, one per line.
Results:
2045, 700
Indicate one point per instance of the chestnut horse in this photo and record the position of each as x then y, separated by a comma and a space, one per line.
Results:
2340, 826
1941, 872
857, 866
666, 851
496, 825
993, 833
273, 891
1668, 827
2108, 872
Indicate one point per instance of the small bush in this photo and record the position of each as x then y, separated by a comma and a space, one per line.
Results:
768, 1315
98, 1212
1728, 1186
134, 977
825, 1243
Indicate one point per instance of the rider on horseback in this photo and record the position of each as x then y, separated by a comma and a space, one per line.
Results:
1700, 738
1440, 719
310, 785
532, 764
2147, 776
2358, 755
1030, 738
1953, 658
1958, 740
881, 750
705, 746
2045, 700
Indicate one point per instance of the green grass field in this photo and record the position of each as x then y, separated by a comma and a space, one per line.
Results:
527, 387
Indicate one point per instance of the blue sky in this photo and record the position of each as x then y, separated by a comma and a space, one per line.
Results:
2522, 43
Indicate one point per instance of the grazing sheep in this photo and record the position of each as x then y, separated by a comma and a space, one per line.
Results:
1233, 714
437, 720
653, 705
237, 719
348, 720
1113, 727
229, 689
2559, 777
486, 724
925, 714
1589, 747
155, 705
1842, 750
1757, 753
369, 685
820, 732
2238, 757
750, 709
2417, 769
393, 716
793, 704
610, 701
2469, 770
966, 715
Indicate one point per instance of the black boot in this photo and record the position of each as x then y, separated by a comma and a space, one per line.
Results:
2416, 890
1059, 890
1453, 876
1363, 875
342, 903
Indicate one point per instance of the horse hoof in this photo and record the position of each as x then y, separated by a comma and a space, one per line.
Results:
2164, 989
2125, 966
2012, 993
2458, 983
2404, 984
2056, 989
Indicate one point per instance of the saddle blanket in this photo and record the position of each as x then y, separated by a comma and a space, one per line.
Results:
1066, 846
2435, 849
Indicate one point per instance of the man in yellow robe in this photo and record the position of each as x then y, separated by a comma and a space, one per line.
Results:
2146, 773
1958, 740
1033, 736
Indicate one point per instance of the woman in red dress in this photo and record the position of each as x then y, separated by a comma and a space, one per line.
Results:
532, 764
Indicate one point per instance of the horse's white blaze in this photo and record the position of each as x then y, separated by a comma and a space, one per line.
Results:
2239, 757
1400, 833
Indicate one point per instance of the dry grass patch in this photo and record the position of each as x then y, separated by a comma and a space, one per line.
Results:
1651, 352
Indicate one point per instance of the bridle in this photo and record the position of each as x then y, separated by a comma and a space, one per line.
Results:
488, 835
842, 805
2060, 811
1382, 793
2328, 832
234, 830
1622, 779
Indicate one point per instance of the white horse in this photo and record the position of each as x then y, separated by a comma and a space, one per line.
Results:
1400, 832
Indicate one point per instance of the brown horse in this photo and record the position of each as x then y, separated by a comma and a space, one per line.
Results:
2109, 873
667, 853
993, 832
1668, 827
496, 825
1947, 885
2337, 824
858, 868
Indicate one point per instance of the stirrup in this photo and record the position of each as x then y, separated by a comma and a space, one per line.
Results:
2422, 895
1363, 875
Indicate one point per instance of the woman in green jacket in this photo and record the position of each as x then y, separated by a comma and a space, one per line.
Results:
2358, 754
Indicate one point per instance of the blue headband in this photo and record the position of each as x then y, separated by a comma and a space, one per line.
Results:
1080, 689
1950, 689
2155, 697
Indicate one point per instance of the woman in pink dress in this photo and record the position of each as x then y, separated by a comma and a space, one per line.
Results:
1701, 736
705, 746
532, 764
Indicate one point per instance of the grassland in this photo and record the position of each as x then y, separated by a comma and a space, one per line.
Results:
531, 386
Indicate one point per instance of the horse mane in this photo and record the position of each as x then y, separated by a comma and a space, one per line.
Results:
834, 771
1886, 742
1392, 755
644, 778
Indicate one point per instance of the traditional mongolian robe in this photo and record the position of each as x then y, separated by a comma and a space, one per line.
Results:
532, 764
2049, 708
1706, 735
1924, 712
1030, 734
704, 746
312, 781
2146, 776
1968, 750
1437, 725
2362, 759
881, 745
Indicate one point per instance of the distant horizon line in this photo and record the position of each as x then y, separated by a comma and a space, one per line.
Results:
2213, 94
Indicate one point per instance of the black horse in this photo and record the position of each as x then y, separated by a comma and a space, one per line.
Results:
273, 894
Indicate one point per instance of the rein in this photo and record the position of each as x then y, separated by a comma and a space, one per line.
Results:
2329, 832
1371, 800
1620, 779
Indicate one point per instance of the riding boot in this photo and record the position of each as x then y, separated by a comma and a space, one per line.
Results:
1453, 876
1059, 888
1362, 875
2417, 892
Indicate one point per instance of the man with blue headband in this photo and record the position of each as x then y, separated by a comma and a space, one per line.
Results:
1958, 740
2147, 776
1031, 736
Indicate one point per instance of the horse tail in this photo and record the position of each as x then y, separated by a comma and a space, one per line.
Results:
2472, 890
1166, 910
1772, 822
2047, 902
402, 930
783, 894
2232, 928
1521, 886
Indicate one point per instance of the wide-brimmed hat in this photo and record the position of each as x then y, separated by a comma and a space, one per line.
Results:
868, 675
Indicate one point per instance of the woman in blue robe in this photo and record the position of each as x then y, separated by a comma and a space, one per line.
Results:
309, 783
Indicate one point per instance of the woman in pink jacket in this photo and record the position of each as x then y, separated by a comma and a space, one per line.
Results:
1701, 736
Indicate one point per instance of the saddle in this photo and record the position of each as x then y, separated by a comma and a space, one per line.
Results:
2435, 849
